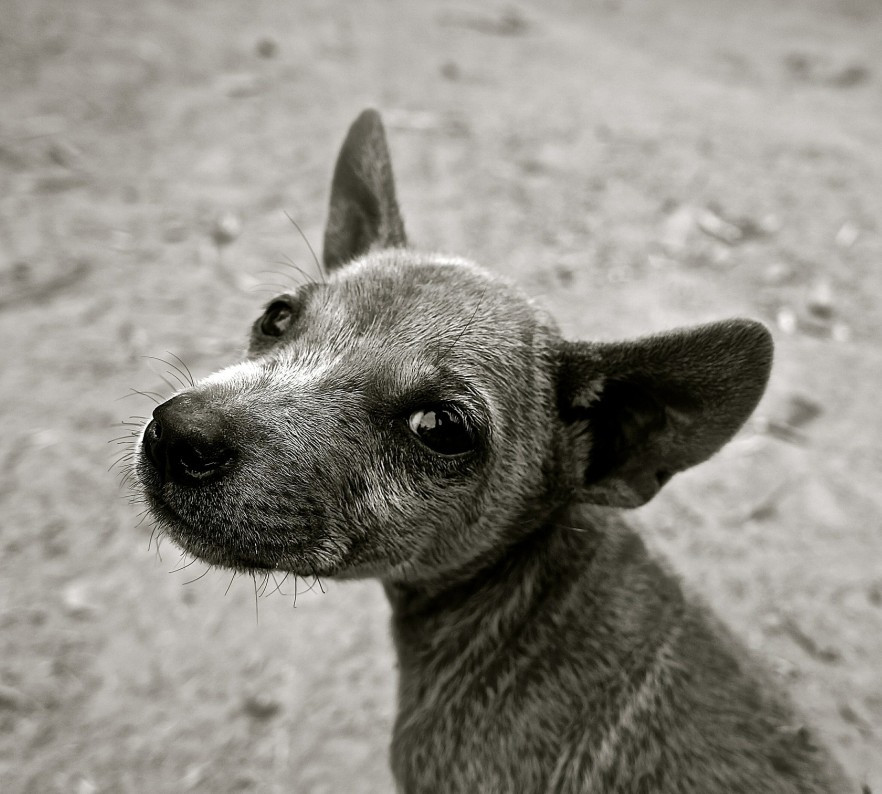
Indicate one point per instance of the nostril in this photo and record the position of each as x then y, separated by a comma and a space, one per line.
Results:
153, 443
189, 462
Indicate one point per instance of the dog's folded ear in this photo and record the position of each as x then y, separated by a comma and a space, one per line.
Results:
658, 405
363, 212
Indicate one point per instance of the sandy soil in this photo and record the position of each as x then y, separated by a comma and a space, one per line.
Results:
636, 167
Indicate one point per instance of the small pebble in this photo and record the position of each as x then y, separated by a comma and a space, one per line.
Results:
266, 47
77, 601
715, 226
227, 227
777, 274
261, 707
847, 235
64, 153
450, 71
801, 410
850, 76
786, 320
840, 332
820, 301
238, 86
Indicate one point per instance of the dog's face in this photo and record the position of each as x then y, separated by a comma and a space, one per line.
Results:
412, 416
378, 427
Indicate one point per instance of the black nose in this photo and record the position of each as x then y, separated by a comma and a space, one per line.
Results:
188, 442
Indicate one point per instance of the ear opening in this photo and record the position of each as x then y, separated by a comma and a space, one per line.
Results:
659, 405
624, 418
363, 211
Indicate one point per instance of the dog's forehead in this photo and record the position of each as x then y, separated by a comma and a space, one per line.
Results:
427, 300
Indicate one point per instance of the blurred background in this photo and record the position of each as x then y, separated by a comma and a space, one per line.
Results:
635, 166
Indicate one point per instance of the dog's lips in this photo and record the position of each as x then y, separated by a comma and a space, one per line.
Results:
196, 539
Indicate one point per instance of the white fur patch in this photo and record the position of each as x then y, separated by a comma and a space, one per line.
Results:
286, 374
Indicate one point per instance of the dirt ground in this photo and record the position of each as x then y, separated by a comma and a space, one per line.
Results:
636, 165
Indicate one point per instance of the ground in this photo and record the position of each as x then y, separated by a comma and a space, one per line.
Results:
636, 166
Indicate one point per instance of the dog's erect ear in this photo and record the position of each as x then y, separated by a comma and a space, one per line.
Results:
363, 212
655, 406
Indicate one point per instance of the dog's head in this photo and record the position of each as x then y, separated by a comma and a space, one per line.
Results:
413, 415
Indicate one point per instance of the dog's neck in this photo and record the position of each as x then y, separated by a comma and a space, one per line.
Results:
577, 555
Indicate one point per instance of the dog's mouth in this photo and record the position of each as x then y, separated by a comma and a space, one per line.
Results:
191, 520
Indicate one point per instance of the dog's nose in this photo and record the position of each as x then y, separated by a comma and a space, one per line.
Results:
188, 441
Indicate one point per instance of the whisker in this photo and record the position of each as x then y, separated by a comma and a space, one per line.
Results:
294, 266
276, 273
278, 588
124, 457
186, 372
168, 383
315, 259
272, 286
152, 395
126, 438
198, 577
152, 532
264, 583
182, 567
159, 545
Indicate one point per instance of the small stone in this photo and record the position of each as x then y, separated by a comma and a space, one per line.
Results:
59, 180
174, 232
564, 275
847, 235
238, 86
715, 226
512, 23
840, 332
851, 76
786, 320
777, 274
450, 71
11, 699
261, 707
784, 667
77, 601
64, 153
772, 623
801, 410
799, 64
227, 227
770, 223
820, 301
266, 47
21, 272
677, 229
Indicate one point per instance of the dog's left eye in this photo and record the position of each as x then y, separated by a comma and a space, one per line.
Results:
276, 319
443, 429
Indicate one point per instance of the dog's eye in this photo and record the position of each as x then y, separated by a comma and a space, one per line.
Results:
443, 429
276, 319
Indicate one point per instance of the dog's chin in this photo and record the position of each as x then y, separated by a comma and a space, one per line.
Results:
212, 548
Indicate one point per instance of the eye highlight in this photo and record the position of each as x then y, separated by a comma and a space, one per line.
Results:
276, 319
443, 429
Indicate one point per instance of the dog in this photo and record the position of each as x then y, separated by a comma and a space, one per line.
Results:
418, 419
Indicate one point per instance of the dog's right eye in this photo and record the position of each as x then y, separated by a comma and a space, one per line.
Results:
442, 428
276, 319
